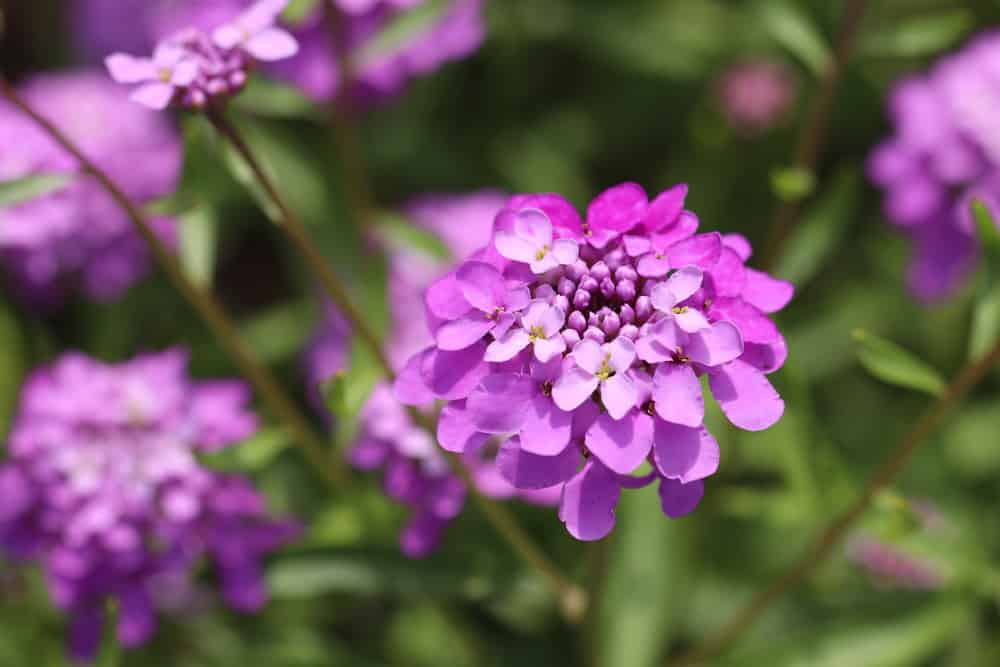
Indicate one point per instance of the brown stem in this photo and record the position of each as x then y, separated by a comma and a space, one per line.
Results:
814, 131
206, 304
827, 541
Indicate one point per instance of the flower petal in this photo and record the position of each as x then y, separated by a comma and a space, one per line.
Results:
683, 453
715, 346
506, 347
766, 293
444, 298
129, 69
745, 395
619, 395
455, 430
559, 211
702, 250
482, 285
754, 326
272, 44
588, 355
410, 387
153, 95
463, 332
621, 444
663, 210
573, 388
622, 351
453, 375
677, 395
513, 247
532, 225
588, 502
728, 276
546, 430
565, 251
525, 470
548, 348
691, 320
677, 499
662, 298
617, 209
684, 282
499, 403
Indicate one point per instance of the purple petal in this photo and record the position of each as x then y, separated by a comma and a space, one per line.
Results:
532, 225
499, 403
517, 299
588, 355
556, 207
510, 245
663, 210
768, 357
619, 395
683, 453
766, 293
677, 394
617, 209
546, 430
530, 471
451, 376
636, 245
683, 228
588, 502
566, 251
128, 69
482, 285
745, 395
456, 431
622, 351
621, 444
715, 346
684, 283
702, 250
466, 331
272, 44
691, 320
444, 299
653, 265
583, 418
547, 349
421, 535
677, 499
410, 387
574, 387
754, 326
662, 298
154, 95
728, 276
739, 244
508, 346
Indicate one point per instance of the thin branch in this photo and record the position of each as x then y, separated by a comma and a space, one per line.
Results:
502, 520
828, 540
814, 131
207, 306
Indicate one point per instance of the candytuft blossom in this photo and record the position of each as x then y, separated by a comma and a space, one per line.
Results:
644, 305
192, 68
942, 154
103, 489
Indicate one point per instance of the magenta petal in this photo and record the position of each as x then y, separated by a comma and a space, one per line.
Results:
665, 208
718, 345
677, 499
617, 209
702, 250
451, 376
156, 96
683, 453
766, 293
410, 387
482, 285
463, 332
546, 429
653, 265
455, 430
683, 228
128, 69
507, 346
768, 357
499, 403
573, 388
739, 244
560, 211
677, 395
444, 298
272, 44
729, 276
588, 502
754, 326
525, 470
621, 444
636, 245
745, 395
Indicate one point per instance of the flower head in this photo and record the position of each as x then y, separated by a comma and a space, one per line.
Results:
754, 95
103, 489
601, 366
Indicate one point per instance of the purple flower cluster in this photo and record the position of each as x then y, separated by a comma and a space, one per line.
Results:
192, 68
415, 473
103, 489
944, 152
582, 341
756, 94
380, 68
76, 235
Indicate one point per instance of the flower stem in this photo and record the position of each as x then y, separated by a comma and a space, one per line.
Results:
814, 131
828, 540
572, 598
207, 306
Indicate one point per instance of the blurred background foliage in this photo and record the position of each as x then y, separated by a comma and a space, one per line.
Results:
573, 96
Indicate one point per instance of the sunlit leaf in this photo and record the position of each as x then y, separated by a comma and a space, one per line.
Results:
347, 391
792, 184
400, 31
25, 189
895, 365
790, 27
918, 35
264, 97
13, 357
398, 233
199, 236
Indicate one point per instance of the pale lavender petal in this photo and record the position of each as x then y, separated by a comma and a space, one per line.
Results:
636, 245
185, 72
517, 298
691, 320
677, 394
583, 418
455, 430
622, 351
618, 395
745, 395
661, 341
551, 320
548, 371
677, 499
228, 36
507, 347
766, 293
684, 283
621, 444
444, 299
482, 285
154, 95
272, 44
588, 502
499, 403
546, 429
503, 324
530, 471
545, 264
128, 69
461, 333
653, 265
713, 347
702, 250
663, 298
573, 388
532, 225
566, 251
410, 387
451, 376
754, 326
513, 247
768, 357
589, 356
683, 453
548, 348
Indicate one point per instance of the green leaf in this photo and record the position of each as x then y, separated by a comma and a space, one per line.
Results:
252, 455
298, 11
400, 234
821, 230
988, 233
896, 366
919, 35
199, 237
13, 357
21, 190
264, 97
399, 31
985, 323
280, 332
346, 392
788, 26
986, 311
792, 183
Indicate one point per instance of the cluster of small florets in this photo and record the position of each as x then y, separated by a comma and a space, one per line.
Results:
943, 154
582, 342
103, 489
192, 69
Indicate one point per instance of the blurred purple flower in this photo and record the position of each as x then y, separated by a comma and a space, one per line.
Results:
643, 306
102, 488
756, 94
944, 152
889, 564
381, 68
77, 235
414, 471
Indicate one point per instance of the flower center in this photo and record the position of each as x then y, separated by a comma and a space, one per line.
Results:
536, 332
605, 371
165, 74
541, 253
679, 310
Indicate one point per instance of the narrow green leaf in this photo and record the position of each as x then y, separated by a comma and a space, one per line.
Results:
821, 230
985, 323
792, 183
199, 237
21, 190
788, 26
986, 312
398, 233
895, 365
988, 233
919, 35
347, 391
399, 31
13, 355
252, 455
